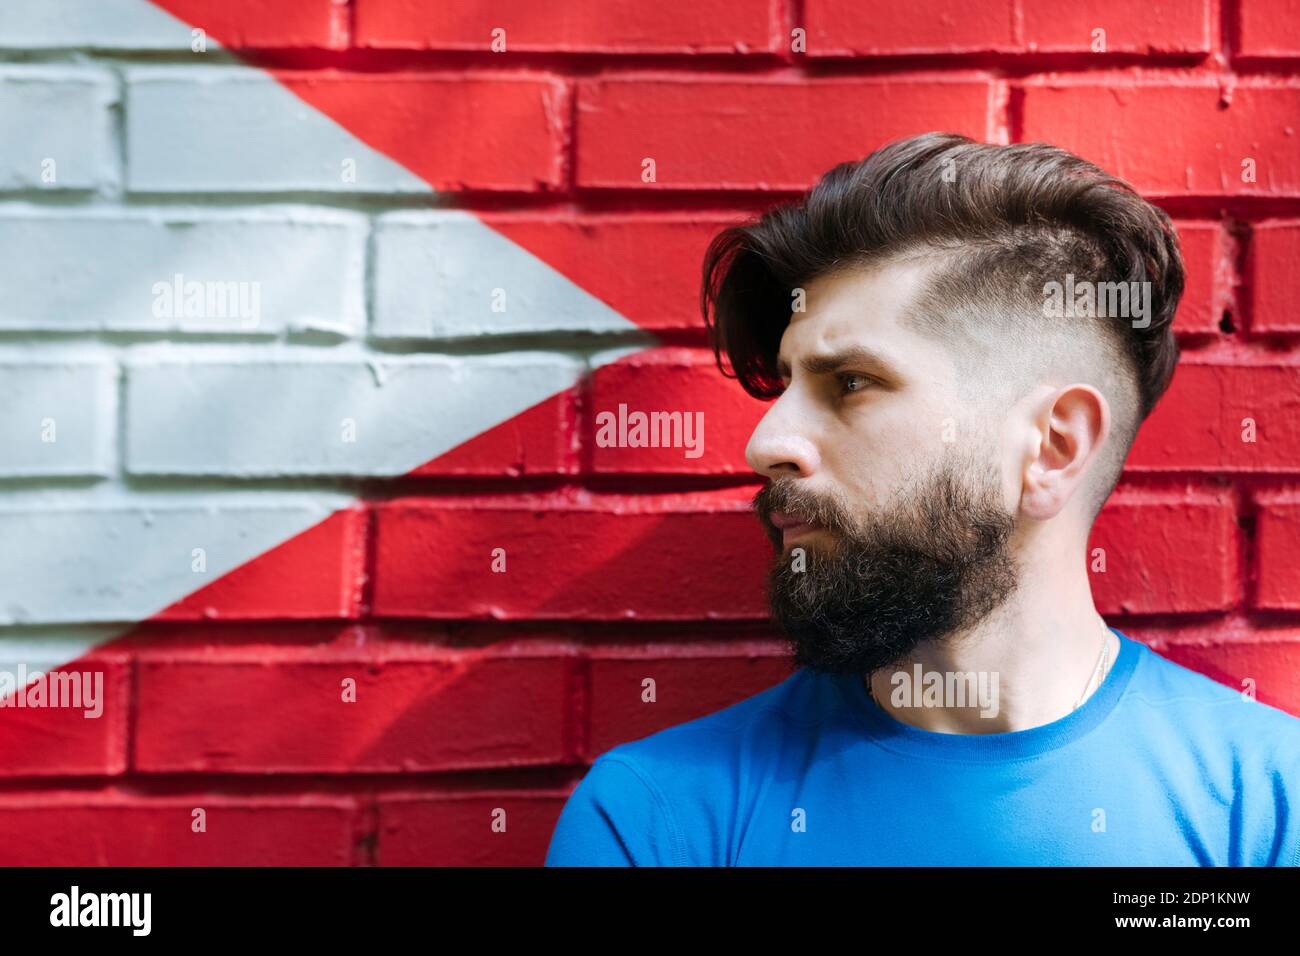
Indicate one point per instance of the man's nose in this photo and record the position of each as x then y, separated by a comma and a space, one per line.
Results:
780, 445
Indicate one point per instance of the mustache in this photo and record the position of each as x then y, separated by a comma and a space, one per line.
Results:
785, 495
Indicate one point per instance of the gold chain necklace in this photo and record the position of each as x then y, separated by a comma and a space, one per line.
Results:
1101, 665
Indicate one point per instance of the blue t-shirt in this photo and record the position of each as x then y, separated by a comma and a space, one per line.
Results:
1161, 766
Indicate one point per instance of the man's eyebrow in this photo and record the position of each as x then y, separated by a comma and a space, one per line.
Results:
859, 356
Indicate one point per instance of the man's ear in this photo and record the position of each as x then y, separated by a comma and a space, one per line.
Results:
1065, 429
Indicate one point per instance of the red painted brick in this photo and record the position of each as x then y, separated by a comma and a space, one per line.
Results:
1268, 28
880, 27
610, 26
61, 741
1273, 276
1277, 552
690, 682
1172, 138
651, 264
1197, 426
315, 574
596, 557
499, 133
80, 829
1159, 26
1147, 538
414, 711
457, 830
242, 24
685, 381
759, 134
1274, 666
1207, 277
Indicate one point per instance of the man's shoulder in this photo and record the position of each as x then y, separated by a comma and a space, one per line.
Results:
662, 799
1201, 706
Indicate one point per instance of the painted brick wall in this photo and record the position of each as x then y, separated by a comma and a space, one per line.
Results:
381, 174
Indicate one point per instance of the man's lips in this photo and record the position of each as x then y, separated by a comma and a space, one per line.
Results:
791, 525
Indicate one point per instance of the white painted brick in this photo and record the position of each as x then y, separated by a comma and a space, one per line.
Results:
238, 130
437, 276
247, 416
60, 115
85, 562
100, 270
89, 24
56, 418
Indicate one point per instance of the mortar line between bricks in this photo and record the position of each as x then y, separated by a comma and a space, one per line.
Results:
790, 15
439, 635
569, 144
350, 22
1243, 546
366, 850
1226, 21
1233, 302
117, 130
370, 560
1239, 235
1246, 512
596, 203
581, 743
362, 786
577, 66
118, 470
582, 405
368, 275
577, 345
1014, 113
588, 64
558, 488
132, 716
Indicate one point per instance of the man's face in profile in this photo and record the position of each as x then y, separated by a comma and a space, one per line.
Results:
887, 505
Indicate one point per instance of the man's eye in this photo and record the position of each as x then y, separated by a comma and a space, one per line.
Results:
851, 382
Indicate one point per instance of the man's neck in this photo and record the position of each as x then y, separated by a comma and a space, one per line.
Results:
1019, 668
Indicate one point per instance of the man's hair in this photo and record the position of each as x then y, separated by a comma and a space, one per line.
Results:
997, 223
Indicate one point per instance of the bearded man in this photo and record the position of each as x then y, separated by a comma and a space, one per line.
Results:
941, 437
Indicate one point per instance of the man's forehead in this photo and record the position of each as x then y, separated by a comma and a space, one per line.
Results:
862, 306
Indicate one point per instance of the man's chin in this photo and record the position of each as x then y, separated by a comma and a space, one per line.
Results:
852, 658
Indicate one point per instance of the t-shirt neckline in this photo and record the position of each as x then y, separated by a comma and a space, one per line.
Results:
900, 737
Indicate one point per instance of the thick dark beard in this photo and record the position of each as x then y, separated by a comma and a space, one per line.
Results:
931, 567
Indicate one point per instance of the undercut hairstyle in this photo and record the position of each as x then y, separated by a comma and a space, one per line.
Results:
997, 226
